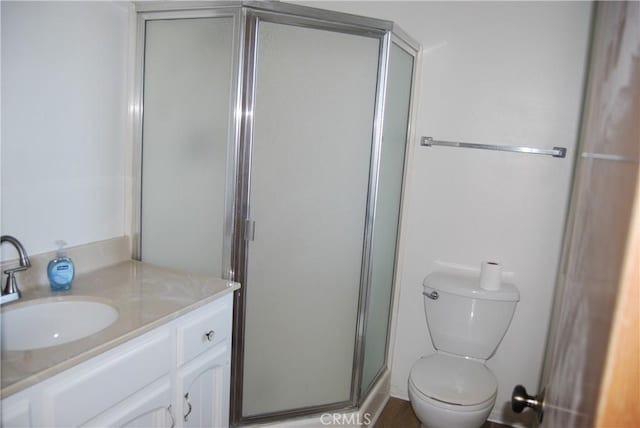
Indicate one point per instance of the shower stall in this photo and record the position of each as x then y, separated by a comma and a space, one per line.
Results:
271, 149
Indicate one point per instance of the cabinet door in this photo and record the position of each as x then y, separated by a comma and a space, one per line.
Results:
88, 390
150, 407
203, 390
16, 412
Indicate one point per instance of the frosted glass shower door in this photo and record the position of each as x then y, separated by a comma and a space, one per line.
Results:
385, 231
312, 138
187, 89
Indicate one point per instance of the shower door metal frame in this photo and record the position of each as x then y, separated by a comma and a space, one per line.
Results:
411, 47
153, 11
385, 32
246, 17
321, 20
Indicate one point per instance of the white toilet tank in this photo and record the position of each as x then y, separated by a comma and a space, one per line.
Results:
464, 319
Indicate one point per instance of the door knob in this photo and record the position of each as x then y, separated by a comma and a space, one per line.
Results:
520, 399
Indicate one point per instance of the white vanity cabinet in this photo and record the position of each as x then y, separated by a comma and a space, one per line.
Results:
16, 412
174, 375
149, 407
202, 386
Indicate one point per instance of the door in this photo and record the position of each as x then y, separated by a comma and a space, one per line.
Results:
16, 412
598, 259
313, 122
150, 407
203, 390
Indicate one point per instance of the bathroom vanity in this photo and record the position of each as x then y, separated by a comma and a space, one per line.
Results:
165, 360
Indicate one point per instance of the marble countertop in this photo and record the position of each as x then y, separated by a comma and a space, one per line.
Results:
146, 296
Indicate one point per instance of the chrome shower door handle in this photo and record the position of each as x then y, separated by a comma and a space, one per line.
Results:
521, 400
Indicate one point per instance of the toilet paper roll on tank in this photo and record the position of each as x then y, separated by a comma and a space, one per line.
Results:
490, 275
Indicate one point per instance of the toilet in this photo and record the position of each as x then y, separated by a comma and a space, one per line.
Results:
453, 387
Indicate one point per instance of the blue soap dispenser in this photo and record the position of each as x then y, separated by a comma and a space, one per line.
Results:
60, 270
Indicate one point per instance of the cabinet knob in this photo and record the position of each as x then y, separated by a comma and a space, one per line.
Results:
209, 335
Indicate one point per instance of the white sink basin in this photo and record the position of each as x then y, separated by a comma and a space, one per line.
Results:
44, 323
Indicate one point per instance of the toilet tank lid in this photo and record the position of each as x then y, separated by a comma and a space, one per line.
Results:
469, 286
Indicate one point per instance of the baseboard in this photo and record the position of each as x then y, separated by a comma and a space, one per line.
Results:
373, 406
399, 395
508, 418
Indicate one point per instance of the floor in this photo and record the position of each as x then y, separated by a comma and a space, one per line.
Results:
399, 414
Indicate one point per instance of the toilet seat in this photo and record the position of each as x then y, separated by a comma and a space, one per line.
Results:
447, 407
452, 380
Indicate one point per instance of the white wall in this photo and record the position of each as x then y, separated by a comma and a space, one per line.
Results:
64, 100
501, 73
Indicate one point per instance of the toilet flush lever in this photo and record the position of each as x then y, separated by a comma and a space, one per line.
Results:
520, 400
433, 295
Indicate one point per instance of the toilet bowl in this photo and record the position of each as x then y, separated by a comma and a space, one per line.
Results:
453, 387
449, 391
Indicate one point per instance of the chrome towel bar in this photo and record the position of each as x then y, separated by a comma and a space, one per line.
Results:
556, 152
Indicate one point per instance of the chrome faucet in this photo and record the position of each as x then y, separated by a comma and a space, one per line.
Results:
11, 291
